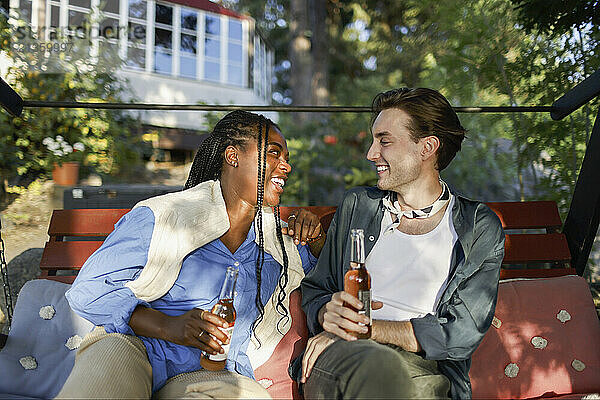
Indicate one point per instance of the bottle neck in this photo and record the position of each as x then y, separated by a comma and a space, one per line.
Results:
228, 288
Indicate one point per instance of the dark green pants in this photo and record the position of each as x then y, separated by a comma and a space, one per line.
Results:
365, 369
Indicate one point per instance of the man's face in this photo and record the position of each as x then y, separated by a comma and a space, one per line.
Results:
396, 155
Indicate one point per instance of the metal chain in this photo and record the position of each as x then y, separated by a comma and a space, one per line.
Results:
5, 281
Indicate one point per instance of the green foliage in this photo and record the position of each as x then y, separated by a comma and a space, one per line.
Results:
479, 52
107, 136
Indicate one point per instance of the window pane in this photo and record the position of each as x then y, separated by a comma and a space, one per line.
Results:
137, 9
188, 43
162, 62
187, 67
76, 18
235, 52
111, 6
137, 33
213, 25
25, 10
188, 19
212, 71
54, 16
212, 48
235, 30
136, 57
164, 14
163, 38
109, 28
234, 75
80, 3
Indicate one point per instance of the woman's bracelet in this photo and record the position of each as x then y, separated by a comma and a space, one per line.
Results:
310, 240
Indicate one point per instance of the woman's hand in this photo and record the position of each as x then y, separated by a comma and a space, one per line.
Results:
194, 328
305, 228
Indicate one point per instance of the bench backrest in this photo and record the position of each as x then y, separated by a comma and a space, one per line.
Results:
534, 247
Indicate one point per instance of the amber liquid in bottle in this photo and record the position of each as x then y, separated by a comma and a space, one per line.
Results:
357, 280
224, 309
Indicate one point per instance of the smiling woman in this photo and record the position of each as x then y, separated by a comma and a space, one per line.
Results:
160, 270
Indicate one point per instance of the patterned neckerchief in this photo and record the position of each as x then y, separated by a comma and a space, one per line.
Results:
391, 204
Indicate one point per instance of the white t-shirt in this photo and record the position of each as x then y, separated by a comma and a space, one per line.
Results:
409, 272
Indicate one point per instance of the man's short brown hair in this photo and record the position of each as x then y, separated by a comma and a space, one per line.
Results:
430, 115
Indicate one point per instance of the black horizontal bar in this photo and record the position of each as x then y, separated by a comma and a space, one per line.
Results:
206, 107
585, 91
10, 100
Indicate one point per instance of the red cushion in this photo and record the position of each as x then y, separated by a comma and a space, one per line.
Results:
528, 309
273, 374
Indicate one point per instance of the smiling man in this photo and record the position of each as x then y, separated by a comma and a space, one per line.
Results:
434, 259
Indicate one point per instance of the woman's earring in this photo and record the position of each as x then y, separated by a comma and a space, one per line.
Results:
235, 164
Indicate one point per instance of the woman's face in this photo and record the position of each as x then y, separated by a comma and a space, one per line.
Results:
276, 171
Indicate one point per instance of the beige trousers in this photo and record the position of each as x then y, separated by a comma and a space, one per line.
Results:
115, 366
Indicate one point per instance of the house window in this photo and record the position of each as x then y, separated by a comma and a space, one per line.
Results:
136, 34
25, 10
187, 48
78, 17
212, 48
235, 53
109, 6
163, 39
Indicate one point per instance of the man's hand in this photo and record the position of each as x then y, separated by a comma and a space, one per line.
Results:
339, 319
315, 346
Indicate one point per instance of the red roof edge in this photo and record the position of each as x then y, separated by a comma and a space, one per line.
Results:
208, 5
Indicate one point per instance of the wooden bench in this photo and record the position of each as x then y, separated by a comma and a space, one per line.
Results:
534, 246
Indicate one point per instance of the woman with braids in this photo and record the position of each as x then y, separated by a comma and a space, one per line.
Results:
149, 286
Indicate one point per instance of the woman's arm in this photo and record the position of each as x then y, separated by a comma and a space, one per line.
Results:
189, 329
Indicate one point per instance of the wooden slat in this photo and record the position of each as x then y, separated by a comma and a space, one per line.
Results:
84, 222
527, 215
536, 248
67, 255
536, 273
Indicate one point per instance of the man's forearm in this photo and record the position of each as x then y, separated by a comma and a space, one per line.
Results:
399, 333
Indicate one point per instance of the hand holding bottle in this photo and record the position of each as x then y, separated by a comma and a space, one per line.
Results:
198, 328
339, 316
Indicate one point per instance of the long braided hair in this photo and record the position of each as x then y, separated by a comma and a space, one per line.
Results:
237, 128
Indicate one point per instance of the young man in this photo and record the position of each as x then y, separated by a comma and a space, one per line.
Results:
434, 259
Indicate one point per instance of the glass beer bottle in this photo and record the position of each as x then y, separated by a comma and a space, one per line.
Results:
357, 280
224, 309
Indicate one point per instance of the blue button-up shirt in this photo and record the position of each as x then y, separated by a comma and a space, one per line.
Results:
99, 295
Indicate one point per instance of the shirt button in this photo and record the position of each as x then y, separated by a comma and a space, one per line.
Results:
236, 264
371, 238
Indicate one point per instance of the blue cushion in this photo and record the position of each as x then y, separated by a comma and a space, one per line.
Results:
45, 340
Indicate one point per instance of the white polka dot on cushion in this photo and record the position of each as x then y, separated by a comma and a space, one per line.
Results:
539, 342
578, 365
47, 312
28, 362
511, 370
563, 316
265, 383
73, 342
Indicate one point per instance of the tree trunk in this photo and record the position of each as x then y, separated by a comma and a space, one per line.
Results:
320, 56
300, 57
